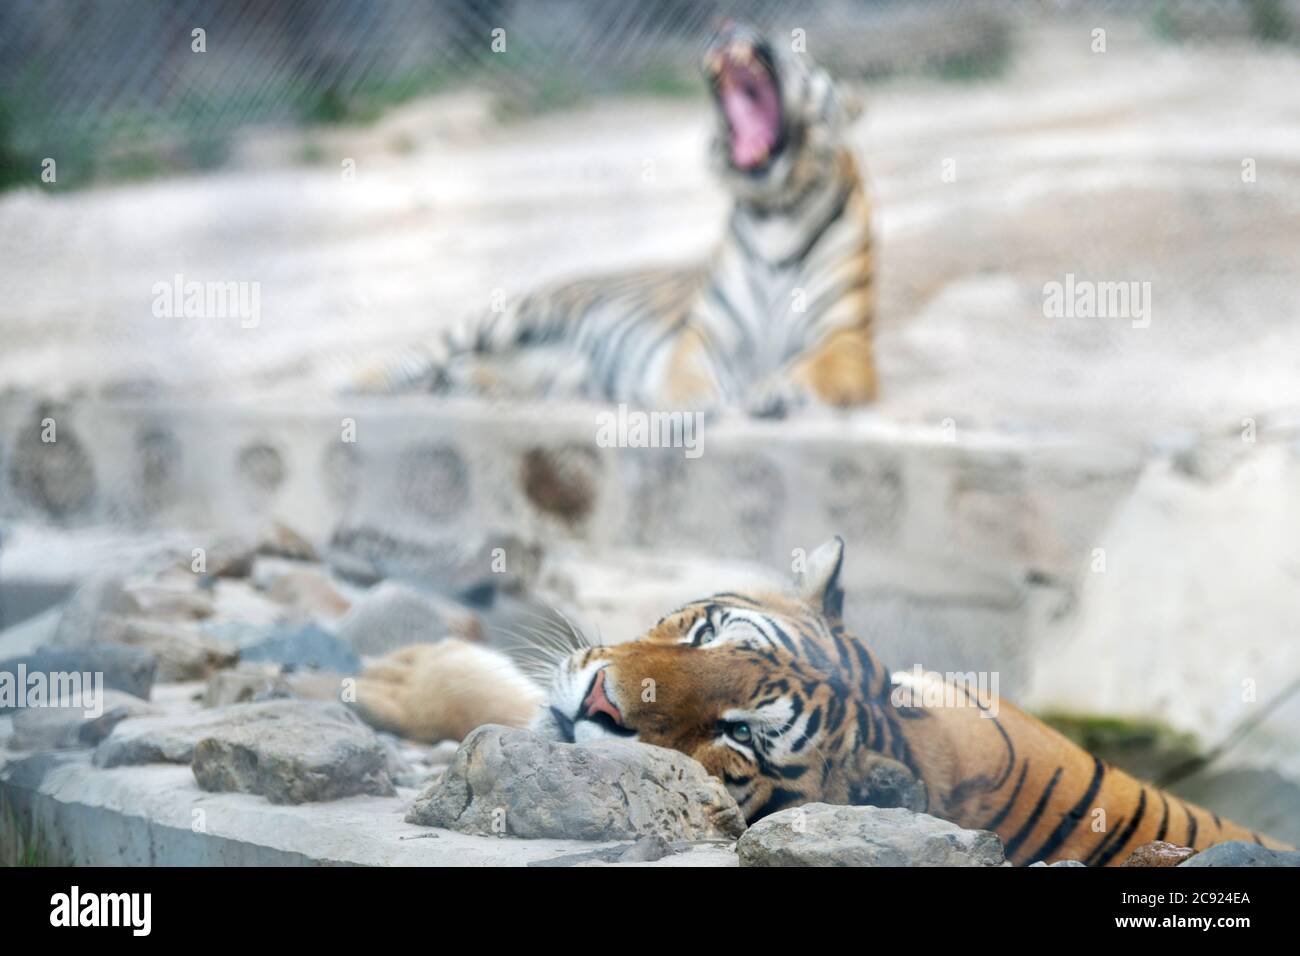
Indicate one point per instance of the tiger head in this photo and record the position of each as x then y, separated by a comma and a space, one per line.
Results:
767, 691
780, 121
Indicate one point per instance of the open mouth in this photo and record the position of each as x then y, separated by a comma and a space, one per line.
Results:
600, 710
745, 87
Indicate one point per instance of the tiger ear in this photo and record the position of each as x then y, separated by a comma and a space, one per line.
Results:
819, 584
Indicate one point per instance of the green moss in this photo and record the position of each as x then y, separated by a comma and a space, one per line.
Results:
1146, 749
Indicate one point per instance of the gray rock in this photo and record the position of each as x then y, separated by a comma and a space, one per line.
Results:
104, 611
250, 681
647, 850
154, 740
512, 782
128, 669
290, 751
184, 649
307, 589
1241, 853
233, 556
317, 751
1060, 863
304, 645
178, 600
407, 764
84, 615
461, 563
392, 615
282, 541
817, 834
227, 557
66, 725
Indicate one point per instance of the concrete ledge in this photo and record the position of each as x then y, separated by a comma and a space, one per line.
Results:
72, 813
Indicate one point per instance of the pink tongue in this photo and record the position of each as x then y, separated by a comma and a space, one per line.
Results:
751, 130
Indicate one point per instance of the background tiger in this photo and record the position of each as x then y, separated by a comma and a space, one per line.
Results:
773, 696
780, 314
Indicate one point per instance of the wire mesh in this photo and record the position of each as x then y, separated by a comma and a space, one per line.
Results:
94, 80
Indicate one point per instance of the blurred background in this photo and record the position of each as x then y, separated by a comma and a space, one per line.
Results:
579, 147
1103, 513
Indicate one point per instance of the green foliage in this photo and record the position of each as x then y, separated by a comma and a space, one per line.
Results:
1145, 748
1269, 22
16, 168
17, 847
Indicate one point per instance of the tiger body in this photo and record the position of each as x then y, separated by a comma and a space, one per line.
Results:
777, 699
779, 315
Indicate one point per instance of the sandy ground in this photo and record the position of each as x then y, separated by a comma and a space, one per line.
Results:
1116, 167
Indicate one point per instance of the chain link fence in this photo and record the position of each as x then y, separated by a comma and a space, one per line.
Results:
121, 88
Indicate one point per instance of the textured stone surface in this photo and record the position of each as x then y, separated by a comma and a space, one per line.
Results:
67, 725
1159, 853
818, 834
1060, 863
296, 752
1240, 853
392, 615
520, 784
290, 751
128, 669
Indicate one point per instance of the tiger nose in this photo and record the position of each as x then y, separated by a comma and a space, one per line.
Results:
598, 702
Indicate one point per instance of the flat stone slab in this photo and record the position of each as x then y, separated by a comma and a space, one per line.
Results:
516, 783
289, 751
817, 834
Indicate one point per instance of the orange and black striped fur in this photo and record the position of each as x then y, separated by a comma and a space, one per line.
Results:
781, 314
773, 696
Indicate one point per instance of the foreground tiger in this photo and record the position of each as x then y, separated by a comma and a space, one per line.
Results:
781, 314
774, 697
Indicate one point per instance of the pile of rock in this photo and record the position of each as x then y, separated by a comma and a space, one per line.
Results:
255, 647
275, 634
